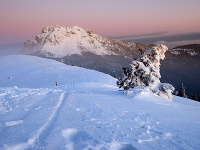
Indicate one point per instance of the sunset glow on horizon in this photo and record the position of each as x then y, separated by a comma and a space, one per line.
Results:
22, 20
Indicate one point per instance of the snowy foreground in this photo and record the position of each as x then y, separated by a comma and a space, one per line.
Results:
86, 111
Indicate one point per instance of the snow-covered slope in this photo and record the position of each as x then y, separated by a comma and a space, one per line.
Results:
34, 72
86, 111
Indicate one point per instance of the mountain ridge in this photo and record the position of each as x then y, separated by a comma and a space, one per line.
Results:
180, 64
191, 49
57, 42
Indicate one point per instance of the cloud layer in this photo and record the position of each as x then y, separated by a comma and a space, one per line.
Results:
171, 40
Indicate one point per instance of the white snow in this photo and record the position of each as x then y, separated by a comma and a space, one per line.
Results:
86, 111
57, 42
13, 123
178, 51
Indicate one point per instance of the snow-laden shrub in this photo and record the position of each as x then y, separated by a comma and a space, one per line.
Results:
145, 73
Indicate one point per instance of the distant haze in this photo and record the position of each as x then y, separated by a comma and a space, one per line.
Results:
22, 19
171, 40
11, 49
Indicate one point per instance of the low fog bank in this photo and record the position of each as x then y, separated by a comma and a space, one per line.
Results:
11, 49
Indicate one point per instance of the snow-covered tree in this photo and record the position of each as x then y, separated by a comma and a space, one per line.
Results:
124, 82
145, 73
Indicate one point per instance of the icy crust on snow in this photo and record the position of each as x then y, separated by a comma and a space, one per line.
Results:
86, 111
57, 42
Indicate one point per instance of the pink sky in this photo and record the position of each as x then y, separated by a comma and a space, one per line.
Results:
22, 20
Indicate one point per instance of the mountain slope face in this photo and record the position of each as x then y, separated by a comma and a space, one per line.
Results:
58, 42
182, 65
86, 111
79, 47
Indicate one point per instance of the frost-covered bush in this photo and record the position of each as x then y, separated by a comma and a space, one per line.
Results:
145, 73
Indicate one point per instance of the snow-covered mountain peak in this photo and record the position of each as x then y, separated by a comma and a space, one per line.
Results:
77, 28
57, 41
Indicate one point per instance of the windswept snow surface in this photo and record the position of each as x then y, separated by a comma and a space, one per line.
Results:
86, 111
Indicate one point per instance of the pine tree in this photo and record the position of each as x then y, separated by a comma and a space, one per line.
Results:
182, 91
145, 73
199, 97
194, 97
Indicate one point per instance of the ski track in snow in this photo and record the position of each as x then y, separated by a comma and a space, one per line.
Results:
39, 134
112, 123
86, 111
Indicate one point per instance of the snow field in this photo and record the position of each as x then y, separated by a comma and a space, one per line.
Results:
86, 111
